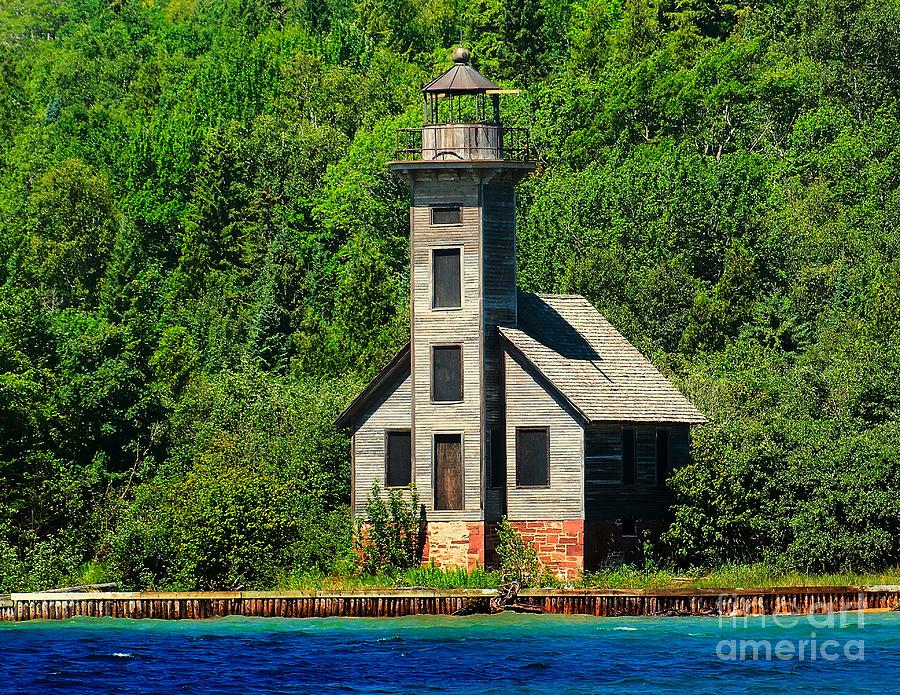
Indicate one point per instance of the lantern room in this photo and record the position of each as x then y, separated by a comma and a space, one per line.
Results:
462, 120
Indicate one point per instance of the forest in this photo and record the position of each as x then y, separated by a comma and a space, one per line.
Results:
203, 258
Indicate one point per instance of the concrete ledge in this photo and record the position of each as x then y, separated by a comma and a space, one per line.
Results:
232, 595
420, 592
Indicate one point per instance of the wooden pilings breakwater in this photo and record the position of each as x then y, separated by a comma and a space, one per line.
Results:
400, 602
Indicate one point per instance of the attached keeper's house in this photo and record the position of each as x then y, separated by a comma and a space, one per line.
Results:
527, 406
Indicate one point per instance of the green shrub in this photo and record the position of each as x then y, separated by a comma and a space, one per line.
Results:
518, 560
252, 493
390, 538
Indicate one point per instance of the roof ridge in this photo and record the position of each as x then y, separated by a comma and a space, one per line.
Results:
549, 295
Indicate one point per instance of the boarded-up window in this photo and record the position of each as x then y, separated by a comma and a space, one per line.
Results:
603, 455
445, 279
532, 457
498, 458
662, 456
645, 451
398, 465
446, 373
448, 471
628, 457
446, 215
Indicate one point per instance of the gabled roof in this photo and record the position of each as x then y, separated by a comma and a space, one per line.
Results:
460, 79
391, 372
592, 365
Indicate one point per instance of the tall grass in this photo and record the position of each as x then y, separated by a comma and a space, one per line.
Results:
428, 576
727, 577
624, 577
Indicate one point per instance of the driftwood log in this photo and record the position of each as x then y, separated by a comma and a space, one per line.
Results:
506, 599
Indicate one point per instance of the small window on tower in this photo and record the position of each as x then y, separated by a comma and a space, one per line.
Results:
446, 374
446, 215
445, 279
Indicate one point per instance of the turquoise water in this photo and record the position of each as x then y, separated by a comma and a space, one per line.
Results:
499, 654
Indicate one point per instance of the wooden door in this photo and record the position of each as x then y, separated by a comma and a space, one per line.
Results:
448, 471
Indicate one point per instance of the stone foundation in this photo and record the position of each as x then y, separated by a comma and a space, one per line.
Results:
559, 544
565, 548
454, 544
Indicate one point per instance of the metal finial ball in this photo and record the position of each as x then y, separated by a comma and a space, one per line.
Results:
461, 55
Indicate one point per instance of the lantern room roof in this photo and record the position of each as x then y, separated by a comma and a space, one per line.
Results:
462, 78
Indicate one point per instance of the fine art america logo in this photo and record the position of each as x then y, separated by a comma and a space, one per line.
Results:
812, 633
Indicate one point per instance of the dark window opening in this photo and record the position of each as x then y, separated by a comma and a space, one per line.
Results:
448, 471
628, 460
399, 461
645, 455
498, 458
445, 279
603, 455
446, 215
628, 526
662, 456
533, 458
446, 374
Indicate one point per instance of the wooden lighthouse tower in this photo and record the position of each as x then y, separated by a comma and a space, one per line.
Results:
462, 167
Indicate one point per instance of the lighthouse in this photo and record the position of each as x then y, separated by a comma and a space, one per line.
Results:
508, 404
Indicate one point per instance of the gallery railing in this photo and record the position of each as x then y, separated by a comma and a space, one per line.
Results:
462, 142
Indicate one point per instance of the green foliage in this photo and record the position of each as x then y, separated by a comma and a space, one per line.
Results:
798, 467
254, 490
390, 536
203, 257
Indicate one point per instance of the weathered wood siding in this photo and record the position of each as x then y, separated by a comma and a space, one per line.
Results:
390, 411
486, 238
530, 404
499, 309
446, 327
604, 502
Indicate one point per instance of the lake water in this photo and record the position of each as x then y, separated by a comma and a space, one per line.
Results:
499, 654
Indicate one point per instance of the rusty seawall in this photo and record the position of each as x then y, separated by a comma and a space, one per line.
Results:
399, 602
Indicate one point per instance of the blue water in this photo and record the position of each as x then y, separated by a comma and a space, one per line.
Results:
500, 654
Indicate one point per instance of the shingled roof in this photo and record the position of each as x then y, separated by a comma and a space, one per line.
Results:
592, 365
460, 79
399, 365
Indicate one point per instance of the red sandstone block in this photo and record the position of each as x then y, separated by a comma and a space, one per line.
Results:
568, 541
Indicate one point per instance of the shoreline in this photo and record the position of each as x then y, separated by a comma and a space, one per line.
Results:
194, 605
